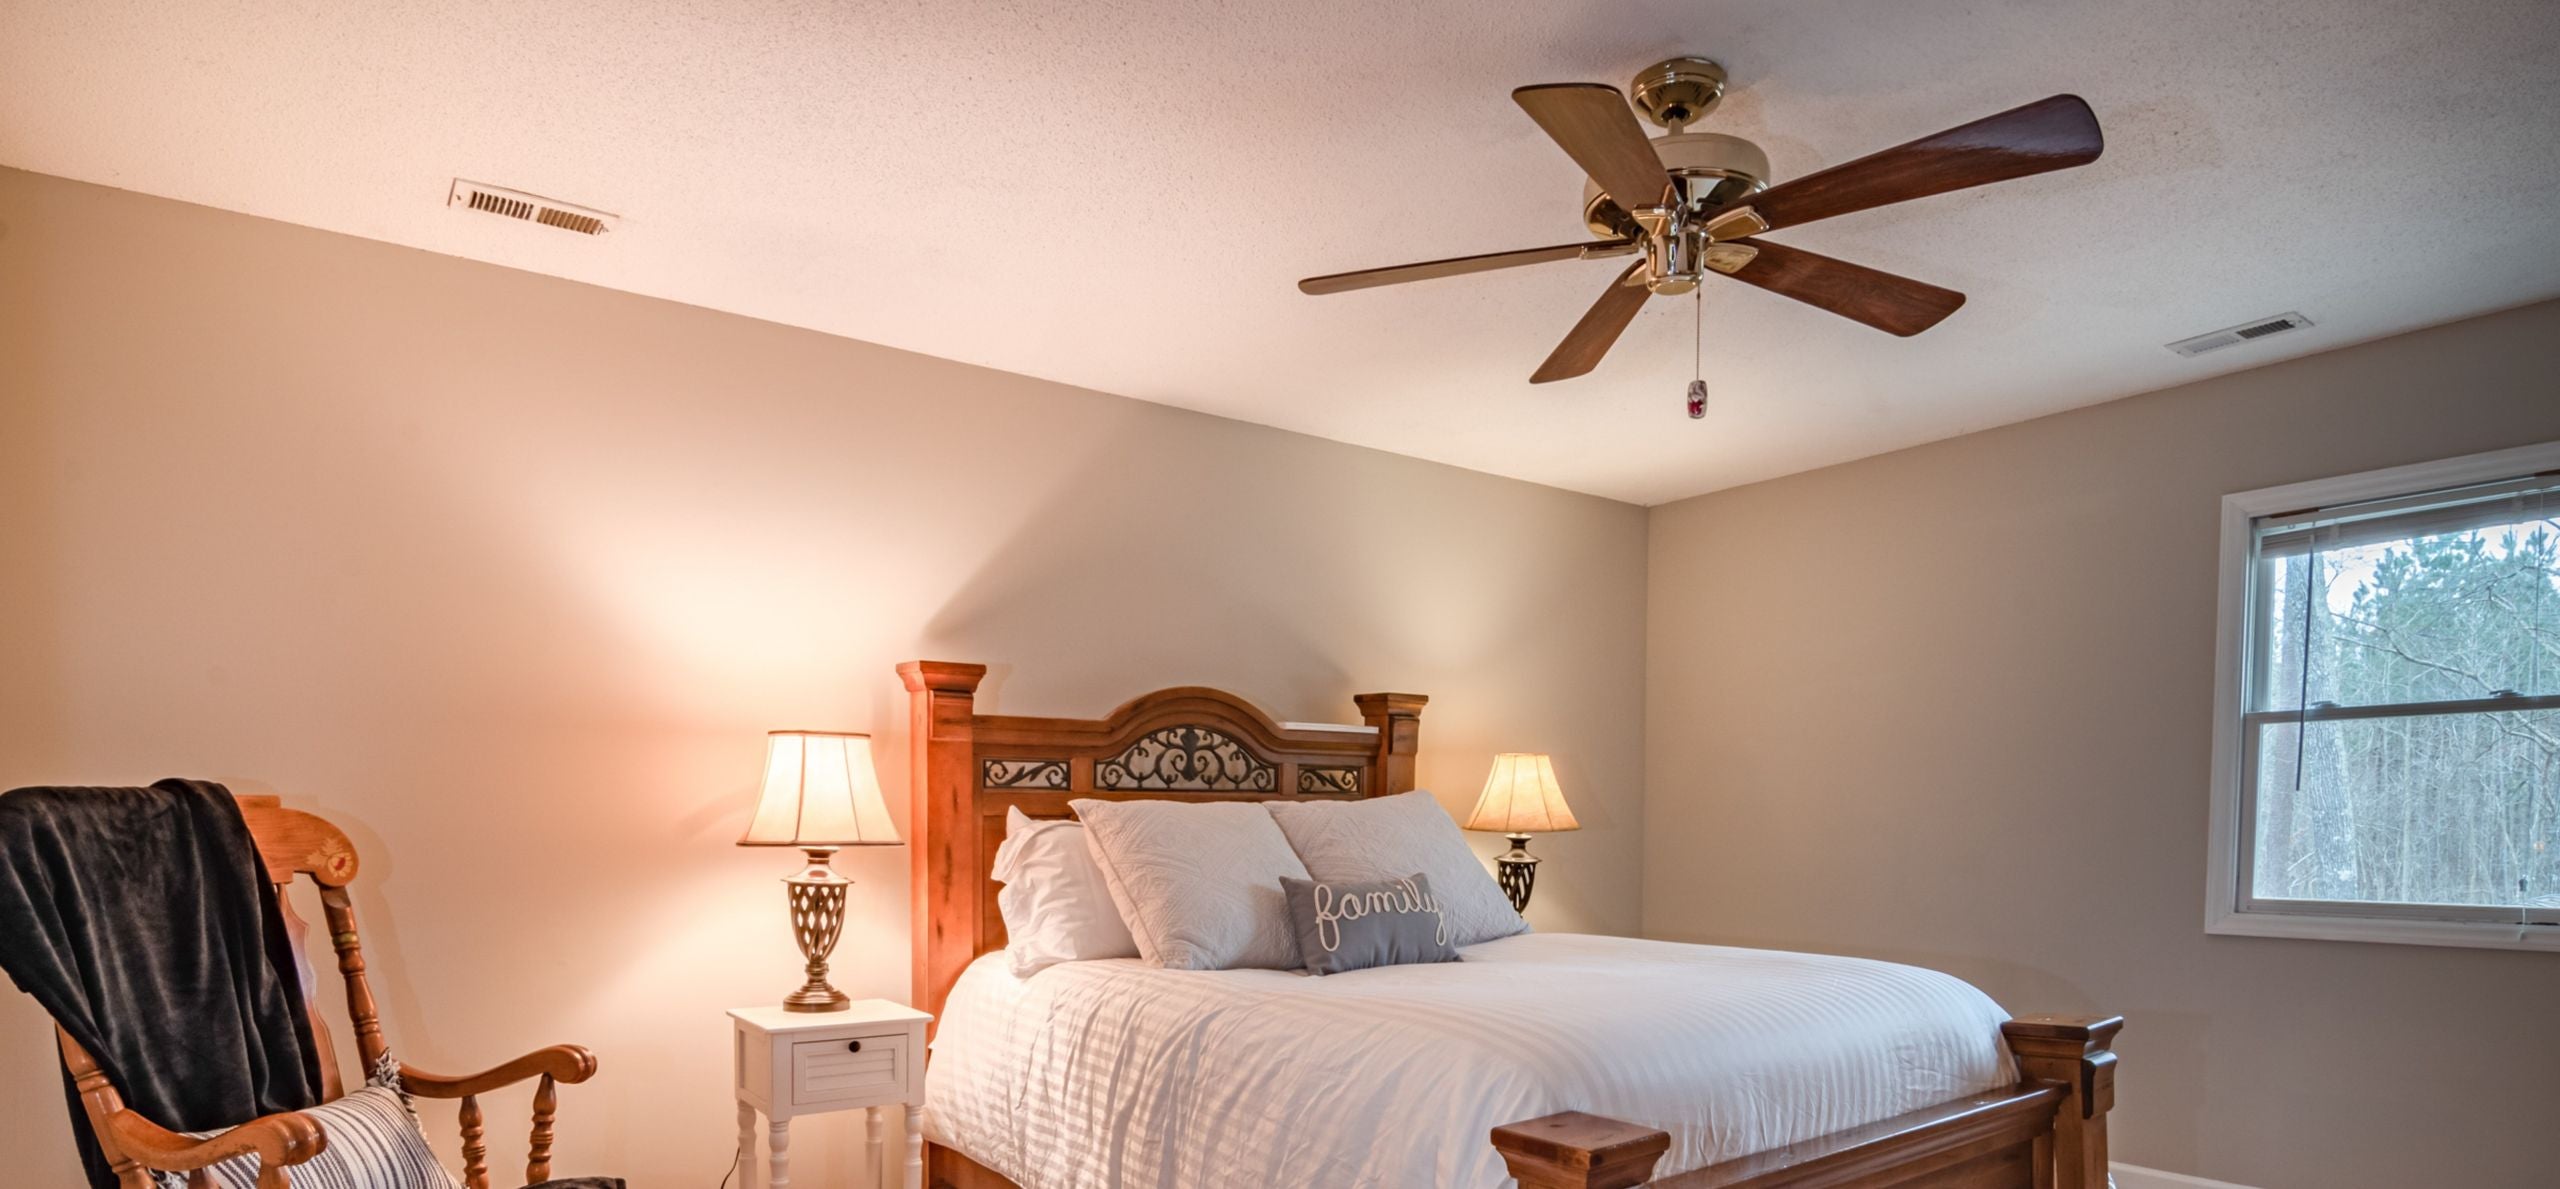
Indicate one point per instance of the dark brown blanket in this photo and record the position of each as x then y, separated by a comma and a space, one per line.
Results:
142, 920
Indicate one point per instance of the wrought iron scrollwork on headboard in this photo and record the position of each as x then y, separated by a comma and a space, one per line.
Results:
1022, 774
1187, 758
1316, 779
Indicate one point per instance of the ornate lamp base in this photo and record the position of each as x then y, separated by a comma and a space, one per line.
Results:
1517, 871
817, 920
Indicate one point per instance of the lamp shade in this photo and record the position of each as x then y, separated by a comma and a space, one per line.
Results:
1521, 797
820, 791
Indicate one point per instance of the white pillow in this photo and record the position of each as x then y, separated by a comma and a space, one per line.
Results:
1055, 904
1198, 883
1393, 837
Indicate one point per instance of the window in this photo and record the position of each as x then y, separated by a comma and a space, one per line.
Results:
2387, 744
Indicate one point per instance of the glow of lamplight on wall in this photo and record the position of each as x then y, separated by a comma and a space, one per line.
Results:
720, 930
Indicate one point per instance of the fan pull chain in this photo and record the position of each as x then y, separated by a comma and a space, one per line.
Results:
1697, 359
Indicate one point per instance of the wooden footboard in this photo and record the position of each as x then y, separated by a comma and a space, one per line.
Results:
2047, 1132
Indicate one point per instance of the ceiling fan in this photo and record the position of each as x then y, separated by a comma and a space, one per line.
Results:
1692, 202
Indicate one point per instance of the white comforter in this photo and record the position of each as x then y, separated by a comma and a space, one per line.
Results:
1114, 1073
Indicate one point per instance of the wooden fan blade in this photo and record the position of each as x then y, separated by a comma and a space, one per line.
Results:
2046, 135
1893, 304
1600, 327
1594, 126
1370, 278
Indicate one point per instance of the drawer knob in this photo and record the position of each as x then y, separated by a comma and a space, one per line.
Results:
853, 1046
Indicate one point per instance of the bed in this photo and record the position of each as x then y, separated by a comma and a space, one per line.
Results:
1554, 1060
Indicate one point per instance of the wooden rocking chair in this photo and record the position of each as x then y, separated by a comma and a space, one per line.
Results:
293, 843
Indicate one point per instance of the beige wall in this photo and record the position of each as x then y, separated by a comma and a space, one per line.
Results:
508, 575
1953, 706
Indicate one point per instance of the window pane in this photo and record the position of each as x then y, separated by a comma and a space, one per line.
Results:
2419, 619
2429, 809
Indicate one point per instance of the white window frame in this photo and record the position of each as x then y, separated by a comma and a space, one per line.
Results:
2229, 908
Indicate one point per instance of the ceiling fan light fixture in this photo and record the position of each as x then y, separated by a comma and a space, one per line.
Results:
1712, 170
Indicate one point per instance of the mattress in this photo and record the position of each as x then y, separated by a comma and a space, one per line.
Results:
1114, 1073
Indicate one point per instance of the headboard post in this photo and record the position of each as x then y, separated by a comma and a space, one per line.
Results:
1398, 718
942, 838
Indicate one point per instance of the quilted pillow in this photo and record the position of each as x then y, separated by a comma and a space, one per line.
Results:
1354, 926
374, 1143
1055, 903
1392, 837
1198, 883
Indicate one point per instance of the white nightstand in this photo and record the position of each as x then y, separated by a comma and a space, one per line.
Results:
793, 1063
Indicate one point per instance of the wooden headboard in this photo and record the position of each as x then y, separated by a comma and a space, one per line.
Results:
1186, 744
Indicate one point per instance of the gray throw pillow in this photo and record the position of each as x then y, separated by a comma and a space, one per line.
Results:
1384, 837
1353, 925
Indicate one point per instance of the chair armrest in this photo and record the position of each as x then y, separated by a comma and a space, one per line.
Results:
562, 1063
279, 1140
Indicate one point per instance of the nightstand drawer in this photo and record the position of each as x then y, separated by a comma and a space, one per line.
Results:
855, 1070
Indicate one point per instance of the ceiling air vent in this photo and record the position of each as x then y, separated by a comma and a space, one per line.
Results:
532, 208
2233, 336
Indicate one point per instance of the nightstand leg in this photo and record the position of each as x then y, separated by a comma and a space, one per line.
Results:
778, 1169
878, 1124
746, 1145
915, 1147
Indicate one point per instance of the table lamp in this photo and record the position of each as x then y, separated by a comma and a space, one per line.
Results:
1521, 798
820, 794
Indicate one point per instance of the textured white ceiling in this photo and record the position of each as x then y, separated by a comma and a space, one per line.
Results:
1120, 194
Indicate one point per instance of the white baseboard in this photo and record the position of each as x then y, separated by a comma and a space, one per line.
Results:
2134, 1177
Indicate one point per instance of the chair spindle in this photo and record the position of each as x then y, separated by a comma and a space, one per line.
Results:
475, 1153
340, 909
546, 1105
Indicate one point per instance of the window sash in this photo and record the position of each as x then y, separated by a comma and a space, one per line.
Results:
2253, 731
2276, 539
2257, 643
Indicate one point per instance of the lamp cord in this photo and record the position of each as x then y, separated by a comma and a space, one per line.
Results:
735, 1159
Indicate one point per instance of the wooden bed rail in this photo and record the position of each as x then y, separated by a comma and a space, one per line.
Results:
2047, 1132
